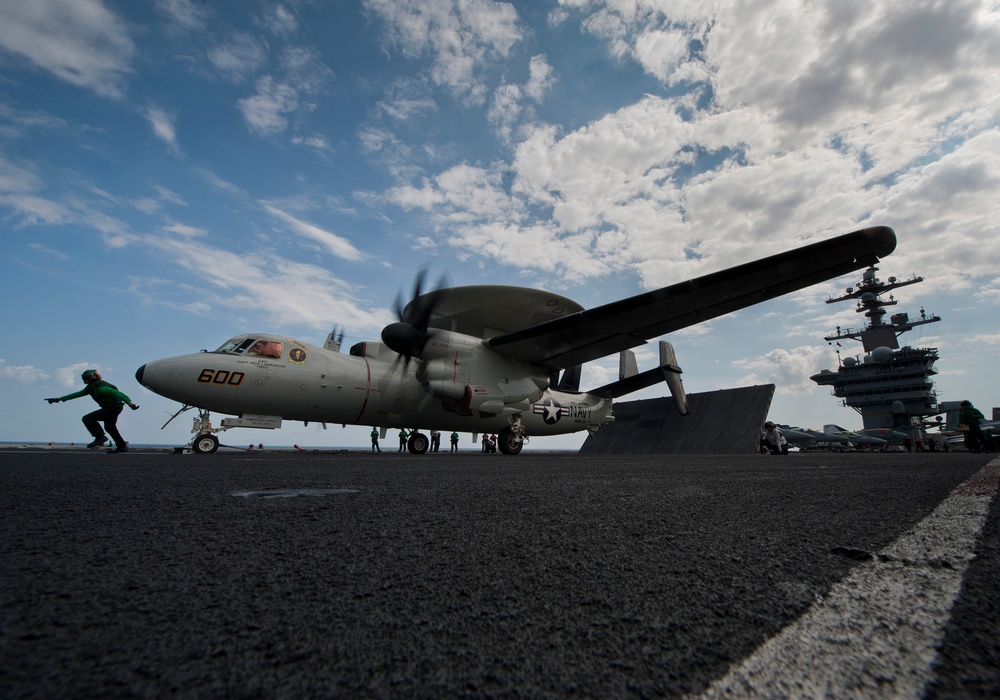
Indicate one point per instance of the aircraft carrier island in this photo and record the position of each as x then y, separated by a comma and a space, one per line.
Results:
890, 386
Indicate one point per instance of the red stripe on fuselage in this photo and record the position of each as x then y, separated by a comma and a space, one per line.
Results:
368, 391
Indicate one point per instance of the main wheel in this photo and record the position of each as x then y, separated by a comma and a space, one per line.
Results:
509, 444
418, 443
205, 444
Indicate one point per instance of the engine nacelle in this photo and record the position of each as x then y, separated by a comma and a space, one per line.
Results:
460, 371
442, 379
509, 398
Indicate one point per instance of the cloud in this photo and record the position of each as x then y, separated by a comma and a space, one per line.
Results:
273, 287
508, 106
279, 20
184, 15
335, 244
79, 41
23, 374
239, 57
788, 369
791, 131
19, 187
163, 127
265, 112
185, 230
70, 376
461, 38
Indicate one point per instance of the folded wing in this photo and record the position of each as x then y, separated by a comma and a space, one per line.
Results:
594, 333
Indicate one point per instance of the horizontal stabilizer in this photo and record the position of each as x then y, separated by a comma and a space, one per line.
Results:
667, 371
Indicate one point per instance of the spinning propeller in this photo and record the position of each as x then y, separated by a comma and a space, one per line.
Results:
410, 334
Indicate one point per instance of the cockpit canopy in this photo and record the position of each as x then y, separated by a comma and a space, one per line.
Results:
254, 346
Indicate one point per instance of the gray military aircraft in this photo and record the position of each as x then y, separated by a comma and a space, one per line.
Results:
483, 359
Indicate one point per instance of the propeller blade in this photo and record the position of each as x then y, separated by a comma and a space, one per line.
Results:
409, 335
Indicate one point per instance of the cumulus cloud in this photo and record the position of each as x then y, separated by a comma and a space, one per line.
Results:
509, 110
459, 38
840, 117
239, 57
266, 111
788, 369
276, 99
70, 376
23, 374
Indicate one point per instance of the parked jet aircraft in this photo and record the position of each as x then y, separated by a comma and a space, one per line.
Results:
863, 439
807, 439
483, 358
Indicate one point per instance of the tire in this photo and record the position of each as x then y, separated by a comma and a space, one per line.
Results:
205, 444
508, 442
418, 444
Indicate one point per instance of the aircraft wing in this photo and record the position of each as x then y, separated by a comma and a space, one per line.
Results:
594, 333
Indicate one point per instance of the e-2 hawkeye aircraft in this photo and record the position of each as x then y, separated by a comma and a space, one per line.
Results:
483, 358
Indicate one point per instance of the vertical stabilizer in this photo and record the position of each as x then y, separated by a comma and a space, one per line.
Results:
672, 376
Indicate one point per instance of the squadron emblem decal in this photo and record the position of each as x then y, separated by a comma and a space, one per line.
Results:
550, 411
297, 355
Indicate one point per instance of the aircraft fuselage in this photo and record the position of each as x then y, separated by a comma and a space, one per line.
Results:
372, 388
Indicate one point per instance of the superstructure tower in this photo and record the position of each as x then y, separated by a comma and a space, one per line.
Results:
890, 386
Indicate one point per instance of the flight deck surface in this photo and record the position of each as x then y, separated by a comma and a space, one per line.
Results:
548, 574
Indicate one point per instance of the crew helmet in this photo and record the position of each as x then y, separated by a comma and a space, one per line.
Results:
90, 374
769, 425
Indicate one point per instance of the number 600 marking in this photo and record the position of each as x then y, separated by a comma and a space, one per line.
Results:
222, 376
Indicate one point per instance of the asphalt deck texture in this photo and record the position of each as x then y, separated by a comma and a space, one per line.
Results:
466, 575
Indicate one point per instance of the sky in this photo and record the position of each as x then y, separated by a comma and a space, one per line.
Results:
176, 172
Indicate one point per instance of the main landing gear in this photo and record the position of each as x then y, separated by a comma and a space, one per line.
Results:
509, 442
418, 443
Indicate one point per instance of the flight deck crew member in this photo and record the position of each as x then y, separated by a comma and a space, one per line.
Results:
111, 402
970, 416
402, 439
454, 442
375, 447
774, 440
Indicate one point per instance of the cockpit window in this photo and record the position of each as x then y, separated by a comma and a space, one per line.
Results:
266, 348
236, 345
252, 346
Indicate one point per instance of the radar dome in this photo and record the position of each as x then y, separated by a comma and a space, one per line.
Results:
850, 362
881, 354
867, 296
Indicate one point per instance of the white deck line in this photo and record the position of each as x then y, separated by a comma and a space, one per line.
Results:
877, 632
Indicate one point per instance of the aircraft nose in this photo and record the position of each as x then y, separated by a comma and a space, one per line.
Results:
139, 372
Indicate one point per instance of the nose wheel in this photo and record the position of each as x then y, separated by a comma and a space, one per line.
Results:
205, 444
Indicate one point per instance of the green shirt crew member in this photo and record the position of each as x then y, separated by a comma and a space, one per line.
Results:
402, 439
454, 442
975, 441
375, 447
111, 402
